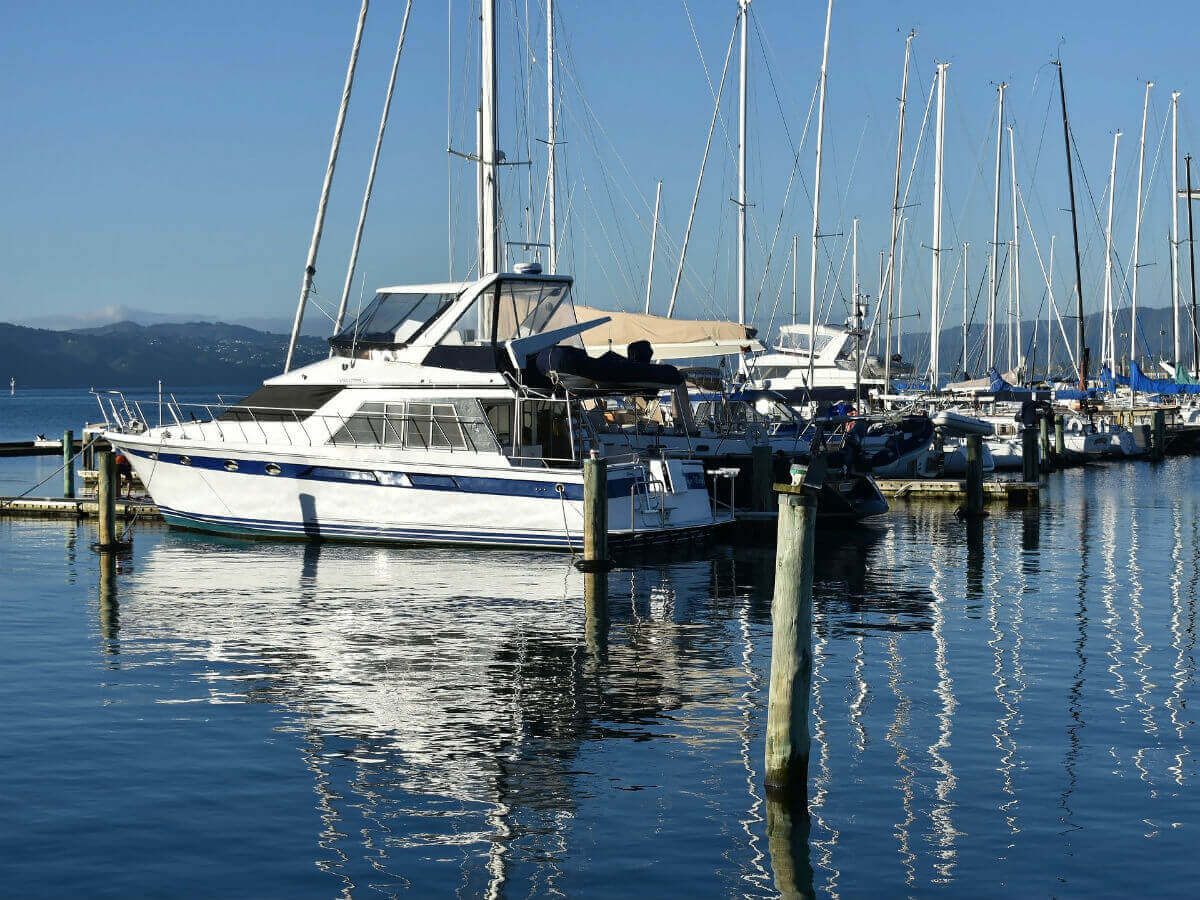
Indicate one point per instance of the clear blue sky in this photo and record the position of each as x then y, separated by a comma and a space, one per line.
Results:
168, 156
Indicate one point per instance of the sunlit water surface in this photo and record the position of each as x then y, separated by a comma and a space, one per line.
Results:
997, 712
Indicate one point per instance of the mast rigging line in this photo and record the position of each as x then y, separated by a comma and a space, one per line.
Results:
1048, 278
592, 124
352, 265
310, 266
703, 163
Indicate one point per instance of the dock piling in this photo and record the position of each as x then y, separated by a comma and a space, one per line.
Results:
788, 742
106, 497
1047, 446
1158, 436
595, 516
1060, 441
68, 453
974, 505
1029, 454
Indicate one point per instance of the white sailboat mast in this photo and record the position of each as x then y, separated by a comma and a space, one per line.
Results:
1016, 247
310, 265
966, 245
653, 241
741, 202
856, 294
1049, 306
1175, 225
900, 285
551, 139
1137, 238
795, 272
891, 276
816, 229
936, 288
991, 305
1109, 351
489, 207
366, 201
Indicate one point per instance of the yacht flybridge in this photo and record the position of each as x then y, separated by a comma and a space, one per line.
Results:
442, 416
830, 352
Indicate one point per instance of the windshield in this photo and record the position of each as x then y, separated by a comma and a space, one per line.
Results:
393, 320
798, 340
516, 308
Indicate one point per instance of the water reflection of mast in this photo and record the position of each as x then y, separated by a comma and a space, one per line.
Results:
1003, 738
1180, 674
1112, 619
942, 815
1142, 647
820, 782
1075, 697
748, 705
895, 734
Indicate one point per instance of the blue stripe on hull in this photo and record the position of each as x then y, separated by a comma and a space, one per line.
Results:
618, 486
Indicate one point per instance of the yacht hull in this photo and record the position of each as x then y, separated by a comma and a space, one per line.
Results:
248, 494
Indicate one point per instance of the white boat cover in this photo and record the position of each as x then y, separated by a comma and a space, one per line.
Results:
671, 338
981, 385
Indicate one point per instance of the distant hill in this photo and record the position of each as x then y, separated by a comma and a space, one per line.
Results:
1155, 341
130, 355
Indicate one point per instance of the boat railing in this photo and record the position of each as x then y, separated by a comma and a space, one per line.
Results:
653, 494
443, 429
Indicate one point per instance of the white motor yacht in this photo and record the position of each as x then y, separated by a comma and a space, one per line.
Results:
785, 366
431, 422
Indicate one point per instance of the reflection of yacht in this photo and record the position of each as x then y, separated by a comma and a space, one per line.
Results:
430, 723
432, 422
785, 366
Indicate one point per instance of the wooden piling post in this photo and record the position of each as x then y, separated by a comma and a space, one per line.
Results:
788, 741
68, 453
763, 476
974, 505
1029, 454
1047, 447
595, 516
1060, 441
1159, 435
88, 458
106, 500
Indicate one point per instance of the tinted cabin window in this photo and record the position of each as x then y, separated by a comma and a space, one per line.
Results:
457, 424
545, 431
500, 417
284, 402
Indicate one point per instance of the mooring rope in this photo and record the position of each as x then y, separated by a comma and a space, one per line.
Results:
562, 499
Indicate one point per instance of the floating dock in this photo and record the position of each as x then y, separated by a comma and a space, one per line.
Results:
81, 508
995, 491
34, 448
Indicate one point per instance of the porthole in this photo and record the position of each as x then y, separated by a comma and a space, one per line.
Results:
231, 465
185, 460
272, 469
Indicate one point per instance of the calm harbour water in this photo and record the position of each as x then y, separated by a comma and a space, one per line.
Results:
997, 712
